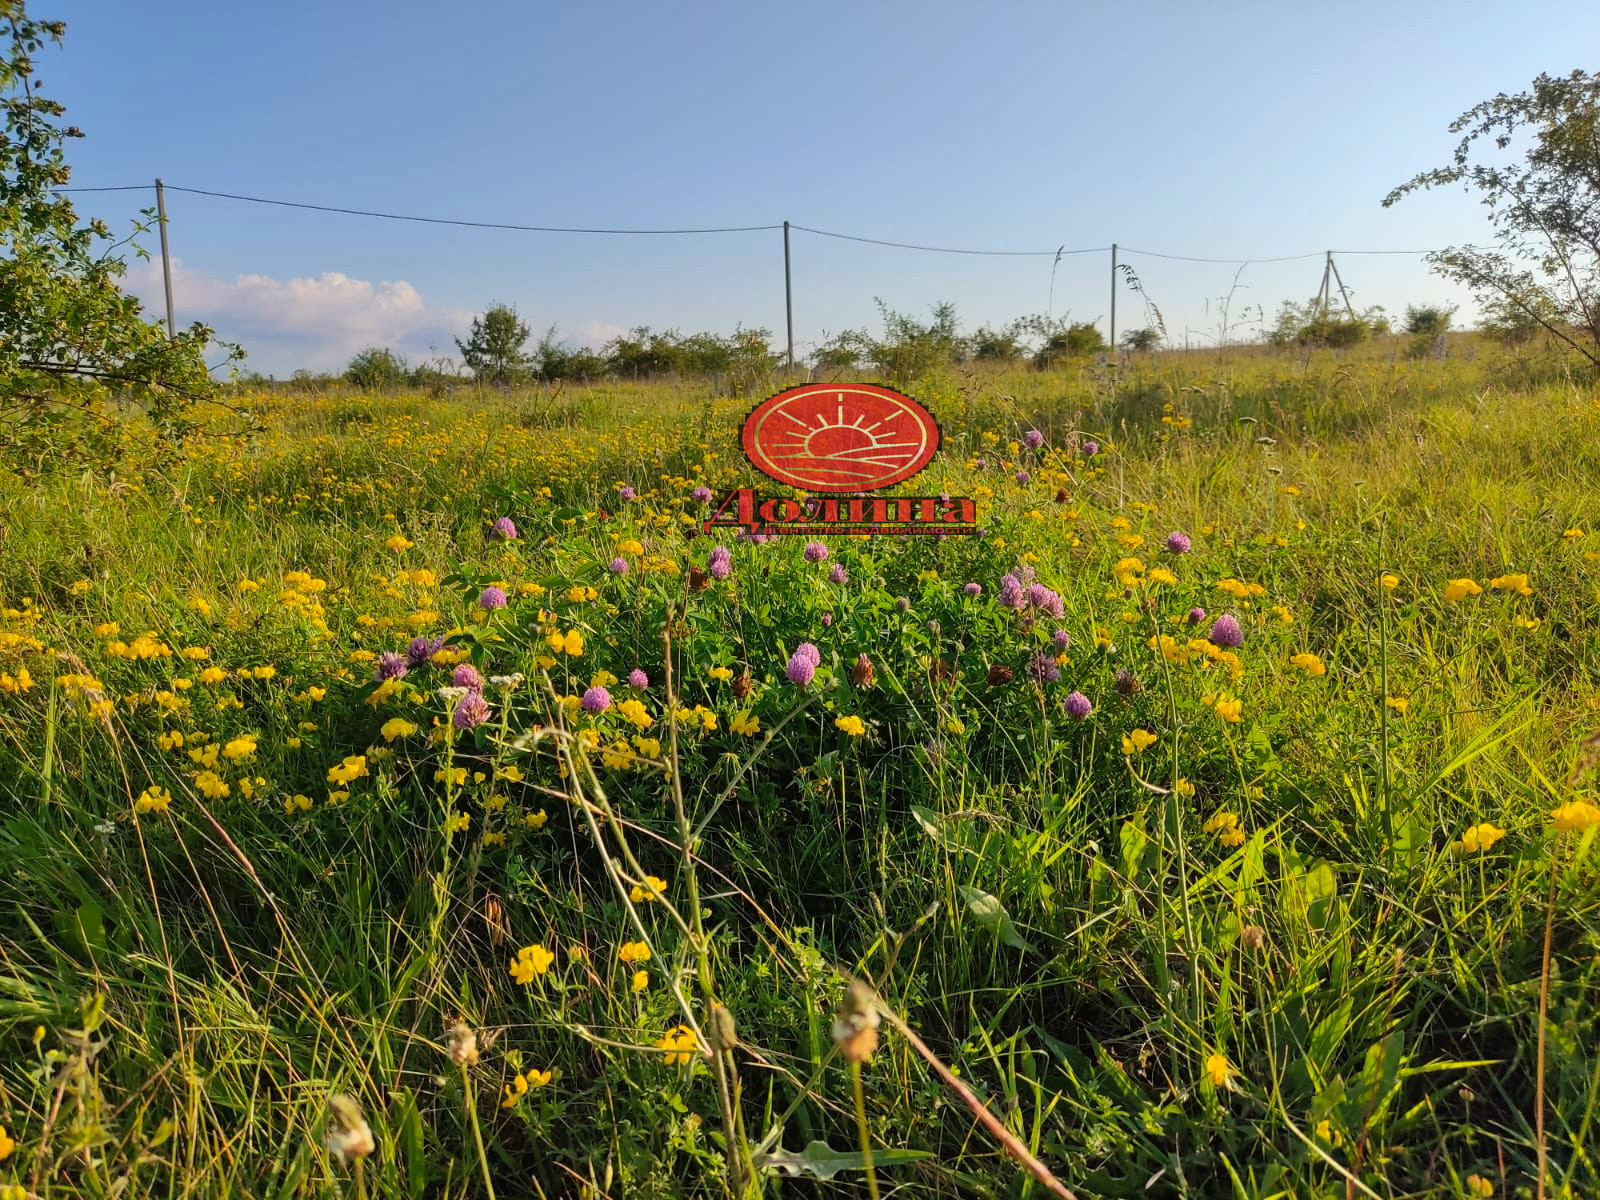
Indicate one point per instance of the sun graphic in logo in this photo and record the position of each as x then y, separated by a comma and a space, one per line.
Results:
851, 437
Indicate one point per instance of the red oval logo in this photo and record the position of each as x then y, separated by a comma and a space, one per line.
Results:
840, 437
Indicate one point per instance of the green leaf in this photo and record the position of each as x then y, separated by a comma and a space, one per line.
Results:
991, 914
821, 1161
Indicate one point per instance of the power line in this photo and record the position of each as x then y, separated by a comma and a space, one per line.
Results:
358, 212
849, 237
1241, 261
948, 250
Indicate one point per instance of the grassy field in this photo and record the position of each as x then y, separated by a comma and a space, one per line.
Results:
1275, 919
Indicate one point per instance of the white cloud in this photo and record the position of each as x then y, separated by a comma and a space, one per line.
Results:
598, 333
315, 323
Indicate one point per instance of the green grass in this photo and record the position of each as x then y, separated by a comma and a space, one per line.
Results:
181, 992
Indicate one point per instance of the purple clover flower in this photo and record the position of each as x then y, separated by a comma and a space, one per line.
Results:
1061, 640
719, 564
1077, 705
810, 653
1024, 477
466, 675
626, 492
1178, 543
492, 598
838, 574
618, 566
701, 495
816, 551
504, 528
421, 649
390, 666
1010, 592
1090, 449
471, 710
1033, 438
638, 679
1225, 632
1196, 615
827, 620
1044, 669
801, 669
1047, 600
973, 589
596, 699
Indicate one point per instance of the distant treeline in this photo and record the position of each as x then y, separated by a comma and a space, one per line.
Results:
497, 351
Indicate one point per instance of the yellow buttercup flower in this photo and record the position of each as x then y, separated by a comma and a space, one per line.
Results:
1512, 583
529, 962
152, 799
652, 889
1574, 817
851, 725
1479, 837
1460, 589
1309, 663
1138, 741
1218, 1070
634, 952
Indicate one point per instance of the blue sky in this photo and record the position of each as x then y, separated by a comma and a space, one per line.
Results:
1233, 129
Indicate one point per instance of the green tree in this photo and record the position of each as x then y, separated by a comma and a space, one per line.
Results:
1141, 339
493, 349
377, 369
1428, 320
1534, 161
70, 340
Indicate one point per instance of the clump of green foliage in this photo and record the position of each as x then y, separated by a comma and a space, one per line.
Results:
71, 342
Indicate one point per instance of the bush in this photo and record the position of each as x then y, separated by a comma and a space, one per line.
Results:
377, 370
1077, 340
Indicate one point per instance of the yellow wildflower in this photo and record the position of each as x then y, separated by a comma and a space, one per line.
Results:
1138, 741
531, 961
152, 799
1479, 837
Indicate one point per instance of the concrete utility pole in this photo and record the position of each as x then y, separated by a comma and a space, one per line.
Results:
788, 294
1113, 295
166, 253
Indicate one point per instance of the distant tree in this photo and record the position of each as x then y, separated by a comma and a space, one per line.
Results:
1002, 345
70, 339
1543, 197
1516, 324
1077, 339
378, 370
493, 349
1428, 320
910, 348
844, 350
1141, 339
1311, 324
643, 352
553, 360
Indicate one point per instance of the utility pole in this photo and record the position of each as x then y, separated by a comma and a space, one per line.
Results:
1348, 307
788, 293
1113, 295
166, 253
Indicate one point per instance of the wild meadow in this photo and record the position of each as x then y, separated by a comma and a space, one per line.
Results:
404, 798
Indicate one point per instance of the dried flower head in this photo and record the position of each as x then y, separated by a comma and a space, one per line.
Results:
855, 1028
863, 673
462, 1045
348, 1133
